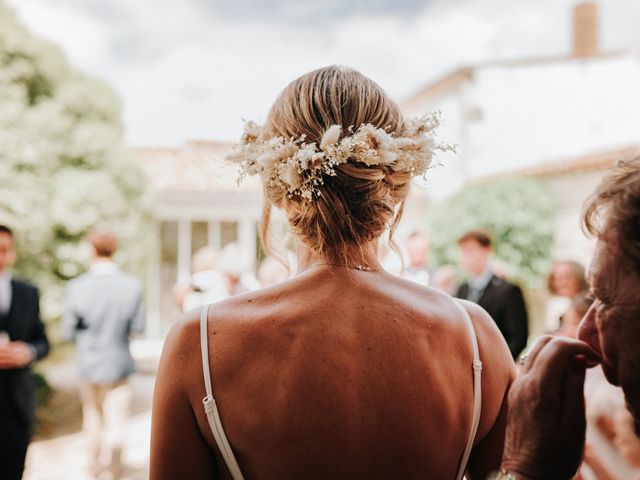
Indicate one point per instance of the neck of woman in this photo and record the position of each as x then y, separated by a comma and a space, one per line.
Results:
361, 257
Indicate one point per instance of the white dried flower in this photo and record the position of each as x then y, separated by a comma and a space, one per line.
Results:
289, 175
387, 156
299, 167
267, 160
331, 136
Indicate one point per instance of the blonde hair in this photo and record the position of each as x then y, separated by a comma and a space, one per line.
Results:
359, 203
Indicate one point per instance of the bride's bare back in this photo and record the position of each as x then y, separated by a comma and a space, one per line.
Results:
335, 374
344, 371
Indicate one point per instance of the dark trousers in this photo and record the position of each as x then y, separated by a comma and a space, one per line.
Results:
14, 440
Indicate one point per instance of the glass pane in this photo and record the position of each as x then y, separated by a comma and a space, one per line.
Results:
199, 235
169, 241
228, 233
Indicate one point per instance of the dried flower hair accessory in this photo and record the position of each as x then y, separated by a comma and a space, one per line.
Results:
300, 167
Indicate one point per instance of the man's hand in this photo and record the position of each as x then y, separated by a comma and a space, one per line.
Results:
546, 423
15, 355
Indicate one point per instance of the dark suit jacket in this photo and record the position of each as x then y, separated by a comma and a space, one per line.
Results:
504, 302
23, 323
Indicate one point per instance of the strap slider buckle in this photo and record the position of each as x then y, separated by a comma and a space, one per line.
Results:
477, 365
209, 403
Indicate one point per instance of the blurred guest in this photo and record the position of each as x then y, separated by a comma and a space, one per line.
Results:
271, 272
418, 269
22, 341
390, 258
566, 280
445, 279
102, 308
207, 284
501, 299
569, 321
236, 270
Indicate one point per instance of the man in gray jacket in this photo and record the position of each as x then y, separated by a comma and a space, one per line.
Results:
102, 307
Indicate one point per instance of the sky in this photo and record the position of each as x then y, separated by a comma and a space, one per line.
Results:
193, 69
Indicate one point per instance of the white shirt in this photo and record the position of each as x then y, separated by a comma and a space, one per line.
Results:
104, 267
478, 284
5, 292
481, 281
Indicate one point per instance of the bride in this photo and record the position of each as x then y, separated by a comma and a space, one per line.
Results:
344, 371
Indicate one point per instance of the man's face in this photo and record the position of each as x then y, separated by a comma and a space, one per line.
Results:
7, 251
474, 258
612, 324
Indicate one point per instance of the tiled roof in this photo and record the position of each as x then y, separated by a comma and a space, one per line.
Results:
197, 166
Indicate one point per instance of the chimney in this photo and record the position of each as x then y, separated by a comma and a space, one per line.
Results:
585, 29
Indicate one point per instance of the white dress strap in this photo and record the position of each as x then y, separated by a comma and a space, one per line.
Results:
477, 394
210, 407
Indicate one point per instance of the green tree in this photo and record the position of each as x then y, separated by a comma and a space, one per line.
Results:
517, 212
63, 166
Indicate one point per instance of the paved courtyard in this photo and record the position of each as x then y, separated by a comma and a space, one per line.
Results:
65, 456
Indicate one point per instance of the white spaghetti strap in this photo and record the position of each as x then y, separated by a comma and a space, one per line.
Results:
477, 394
210, 407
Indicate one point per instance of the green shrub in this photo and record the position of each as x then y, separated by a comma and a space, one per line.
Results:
517, 212
63, 165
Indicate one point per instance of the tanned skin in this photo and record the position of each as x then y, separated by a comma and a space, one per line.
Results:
334, 374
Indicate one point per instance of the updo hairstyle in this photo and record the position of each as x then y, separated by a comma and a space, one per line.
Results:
358, 204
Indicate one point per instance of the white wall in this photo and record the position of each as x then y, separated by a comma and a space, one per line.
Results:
510, 117
446, 174
542, 113
570, 192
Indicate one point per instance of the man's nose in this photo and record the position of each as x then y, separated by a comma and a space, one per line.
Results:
588, 331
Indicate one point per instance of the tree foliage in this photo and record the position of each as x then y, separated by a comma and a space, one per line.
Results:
63, 165
517, 212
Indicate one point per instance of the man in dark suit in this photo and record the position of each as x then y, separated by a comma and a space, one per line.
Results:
501, 299
22, 342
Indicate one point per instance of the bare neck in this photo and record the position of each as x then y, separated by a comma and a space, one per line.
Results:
363, 257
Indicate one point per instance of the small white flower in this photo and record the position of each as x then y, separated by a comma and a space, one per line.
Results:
331, 136
387, 156
426, 143
236, 155
267, 160
299, 167
305, 157
406, 143
290, 176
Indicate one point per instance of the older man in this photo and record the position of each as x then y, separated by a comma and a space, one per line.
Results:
546, 428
